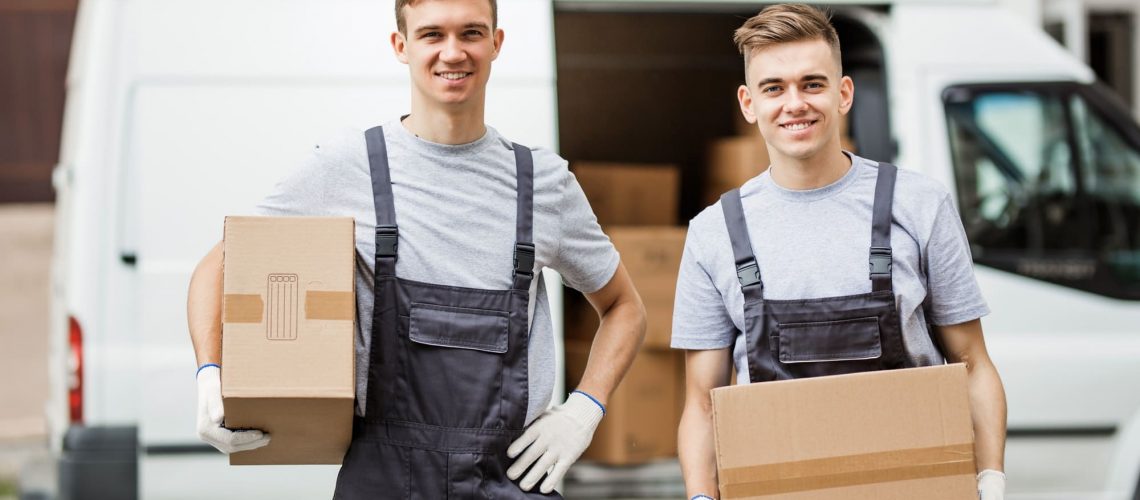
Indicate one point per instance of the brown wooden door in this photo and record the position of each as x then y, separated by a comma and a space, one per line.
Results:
35, 40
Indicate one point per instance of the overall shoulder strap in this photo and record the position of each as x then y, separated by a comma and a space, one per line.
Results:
747, 270
524, 220
387, 233
880, 258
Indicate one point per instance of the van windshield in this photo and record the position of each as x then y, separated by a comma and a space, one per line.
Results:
1048, 181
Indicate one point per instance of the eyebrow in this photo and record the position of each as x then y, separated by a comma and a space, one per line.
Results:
433, 27
808, 78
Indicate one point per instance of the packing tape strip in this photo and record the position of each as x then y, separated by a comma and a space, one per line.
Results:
849, 470
329, 305
242, 308
248, 308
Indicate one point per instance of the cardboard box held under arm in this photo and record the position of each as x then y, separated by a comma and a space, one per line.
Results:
889, 435
287, 336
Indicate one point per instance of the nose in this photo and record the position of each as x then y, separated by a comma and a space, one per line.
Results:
453, 51
795, 103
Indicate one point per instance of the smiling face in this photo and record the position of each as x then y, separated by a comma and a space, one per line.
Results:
448, 46
796, 95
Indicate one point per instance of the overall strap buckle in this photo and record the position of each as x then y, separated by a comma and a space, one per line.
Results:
880, 262
387, 238
748, 273
524, 259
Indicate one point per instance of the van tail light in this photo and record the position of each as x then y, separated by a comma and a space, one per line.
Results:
75, 370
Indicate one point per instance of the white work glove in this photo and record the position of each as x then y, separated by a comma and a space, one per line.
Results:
211, 415
554, 441
991, 485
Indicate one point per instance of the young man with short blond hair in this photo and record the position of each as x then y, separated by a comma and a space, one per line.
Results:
455, 347
823, 238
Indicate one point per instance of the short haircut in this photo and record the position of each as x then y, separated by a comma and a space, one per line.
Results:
402, 23
785, 23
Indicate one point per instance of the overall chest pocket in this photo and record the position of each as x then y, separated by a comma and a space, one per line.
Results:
459, 327
829, 341
454, 363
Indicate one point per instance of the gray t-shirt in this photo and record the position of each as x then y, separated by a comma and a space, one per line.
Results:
815, 243
456, 209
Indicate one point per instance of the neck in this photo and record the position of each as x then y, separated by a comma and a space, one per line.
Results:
813, 172
459, 124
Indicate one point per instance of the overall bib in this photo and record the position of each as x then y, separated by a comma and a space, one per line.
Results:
790, 339
447, 380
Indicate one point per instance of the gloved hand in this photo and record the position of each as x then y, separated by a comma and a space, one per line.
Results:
211, 415
991, 485
555, 440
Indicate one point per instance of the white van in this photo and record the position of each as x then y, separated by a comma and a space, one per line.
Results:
180, 112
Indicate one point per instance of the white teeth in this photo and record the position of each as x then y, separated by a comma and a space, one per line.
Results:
453, 76
798, 126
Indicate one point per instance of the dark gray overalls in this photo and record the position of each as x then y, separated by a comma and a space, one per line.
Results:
789, 339
447, 380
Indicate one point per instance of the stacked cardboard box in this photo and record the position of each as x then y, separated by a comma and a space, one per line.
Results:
641, 419
651, 255
630, 193
637, 206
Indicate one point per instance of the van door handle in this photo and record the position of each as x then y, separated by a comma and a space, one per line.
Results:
129, 258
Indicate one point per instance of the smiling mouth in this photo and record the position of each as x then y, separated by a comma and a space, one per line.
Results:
453, 75
796, 127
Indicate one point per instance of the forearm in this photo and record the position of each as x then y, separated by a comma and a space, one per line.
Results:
204, 308
615, 346
696, 450
987, 400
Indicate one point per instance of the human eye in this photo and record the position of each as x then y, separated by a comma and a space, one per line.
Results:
473, 33
771, 89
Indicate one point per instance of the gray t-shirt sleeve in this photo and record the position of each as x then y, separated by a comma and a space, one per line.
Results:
955, 295
305, 191
585, 257
700, 319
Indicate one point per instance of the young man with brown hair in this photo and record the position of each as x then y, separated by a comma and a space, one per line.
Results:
455, 348
824, 227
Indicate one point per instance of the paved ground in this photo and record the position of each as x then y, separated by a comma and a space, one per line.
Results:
25, 255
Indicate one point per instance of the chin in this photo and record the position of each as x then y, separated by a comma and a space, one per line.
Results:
799, 152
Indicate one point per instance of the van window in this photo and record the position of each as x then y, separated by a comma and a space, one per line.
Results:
1048, 187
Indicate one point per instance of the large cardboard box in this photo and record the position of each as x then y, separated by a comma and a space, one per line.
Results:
889, 435
652, 256
630, 193
287, 336
731, 162
641, 418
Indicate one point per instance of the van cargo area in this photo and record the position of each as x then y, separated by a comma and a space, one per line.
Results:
660, 86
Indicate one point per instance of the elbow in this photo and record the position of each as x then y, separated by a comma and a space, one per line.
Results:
641, 320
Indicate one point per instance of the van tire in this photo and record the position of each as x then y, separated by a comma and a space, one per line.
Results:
99, 463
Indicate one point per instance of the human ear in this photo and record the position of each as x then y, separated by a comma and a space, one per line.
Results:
846, 94
744, 97
400, 46
498, 41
